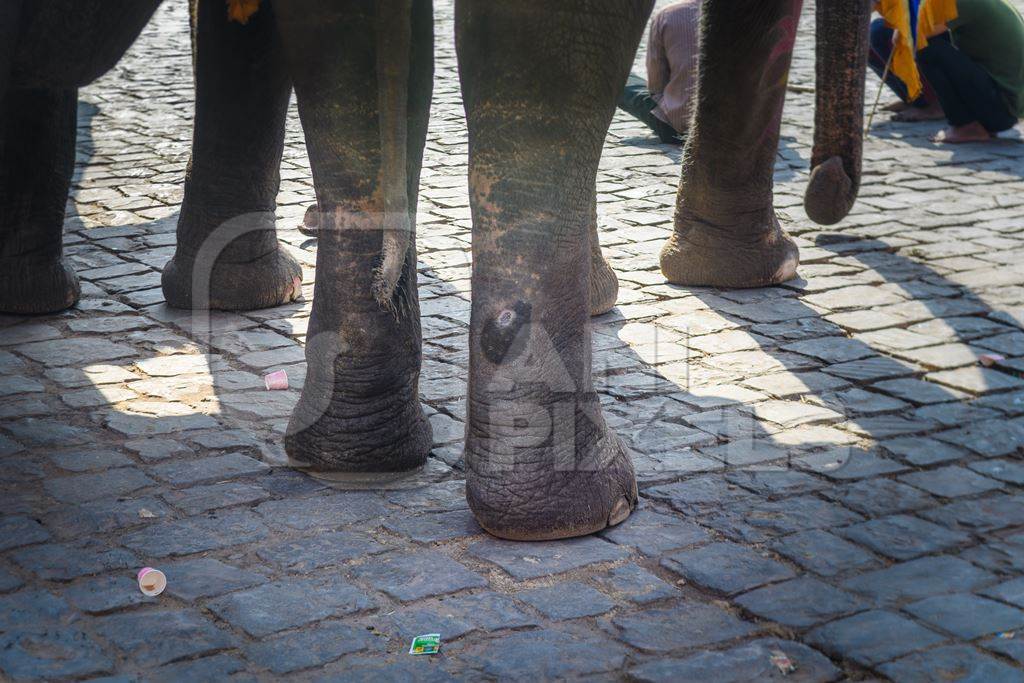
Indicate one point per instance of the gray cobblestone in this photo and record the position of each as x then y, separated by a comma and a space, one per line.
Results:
59, 653
919, 578
951, 662
207, 577
314, 647
546, 656
749, 662
158, 637
823, 553
966, 616
682, 626
726, 567
417, 575
533, 560
18, 531
280, 605
903, 537
208, 469
799, 603
65, 561
872, 637
196, 534
324, 549
1012, 592
105, 594
570, 600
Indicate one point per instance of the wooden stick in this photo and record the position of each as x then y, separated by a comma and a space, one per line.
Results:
874, 108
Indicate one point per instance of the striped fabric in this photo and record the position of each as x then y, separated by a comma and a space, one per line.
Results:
672, 55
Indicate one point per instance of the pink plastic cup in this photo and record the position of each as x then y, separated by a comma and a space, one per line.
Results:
276, 381
151, 581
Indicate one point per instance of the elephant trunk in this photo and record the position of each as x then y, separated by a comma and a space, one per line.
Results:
842, 28
394, 47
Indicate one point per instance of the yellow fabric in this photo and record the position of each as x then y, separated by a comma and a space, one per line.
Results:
241, 10
931, 13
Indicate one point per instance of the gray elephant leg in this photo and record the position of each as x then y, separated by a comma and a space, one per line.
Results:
726, 233
228, 256
540, 460
38, 158
359, 410
47, 50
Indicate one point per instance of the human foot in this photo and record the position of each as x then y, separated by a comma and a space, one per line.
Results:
972, 132
898, 105
910, 114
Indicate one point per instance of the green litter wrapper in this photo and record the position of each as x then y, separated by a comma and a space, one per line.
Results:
428, 644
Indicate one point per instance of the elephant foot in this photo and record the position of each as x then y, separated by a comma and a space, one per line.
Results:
604, 285
34, 289
332, 437
697, 256
270, 280
573, 486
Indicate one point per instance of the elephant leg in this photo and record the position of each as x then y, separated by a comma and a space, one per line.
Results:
604, 284
359, 411
228, 256
36, 163
540, 81
726, 232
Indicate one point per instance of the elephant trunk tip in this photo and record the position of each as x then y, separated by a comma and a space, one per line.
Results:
830, 192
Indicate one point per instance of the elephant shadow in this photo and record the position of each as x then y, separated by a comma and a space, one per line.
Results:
764, 394
662, 401
1002, 155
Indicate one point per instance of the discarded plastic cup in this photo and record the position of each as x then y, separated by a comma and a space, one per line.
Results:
990, 359
151, 581
276, 381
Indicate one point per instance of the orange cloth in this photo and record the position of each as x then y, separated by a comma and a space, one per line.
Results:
930, 13
241, 10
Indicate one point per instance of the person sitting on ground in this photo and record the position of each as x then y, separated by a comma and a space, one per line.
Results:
664, 101
975, 66
924, 107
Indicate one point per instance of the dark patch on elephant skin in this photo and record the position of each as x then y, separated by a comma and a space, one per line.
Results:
501, 338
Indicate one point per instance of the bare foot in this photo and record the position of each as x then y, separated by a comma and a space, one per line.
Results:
972, 132
932, 112
898, 105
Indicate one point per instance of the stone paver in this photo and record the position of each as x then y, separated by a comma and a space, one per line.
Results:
749, 662
872, 637
826, 459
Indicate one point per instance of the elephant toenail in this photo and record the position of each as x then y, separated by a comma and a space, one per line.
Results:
620, 511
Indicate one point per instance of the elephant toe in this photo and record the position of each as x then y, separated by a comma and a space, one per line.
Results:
270, 280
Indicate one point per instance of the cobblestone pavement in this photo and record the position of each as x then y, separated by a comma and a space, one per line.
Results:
827, 470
